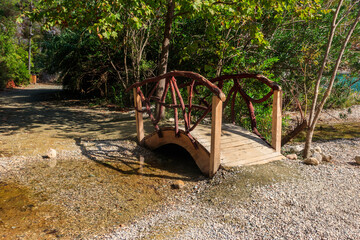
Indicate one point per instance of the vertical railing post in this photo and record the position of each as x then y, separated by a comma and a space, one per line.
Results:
188, 88
215, 135
276, 120
138, 116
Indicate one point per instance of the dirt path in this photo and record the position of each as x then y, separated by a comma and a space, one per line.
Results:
31, 124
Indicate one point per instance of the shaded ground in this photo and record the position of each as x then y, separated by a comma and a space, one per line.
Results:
101, 178
323, 132
30, 124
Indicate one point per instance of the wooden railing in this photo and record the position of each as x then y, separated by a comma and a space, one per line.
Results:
275, 91
171, 85
239, 80
216, 107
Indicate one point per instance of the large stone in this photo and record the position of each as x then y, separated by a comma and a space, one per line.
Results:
292, 156
357, 159
311, 161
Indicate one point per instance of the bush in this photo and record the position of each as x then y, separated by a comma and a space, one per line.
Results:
13, 57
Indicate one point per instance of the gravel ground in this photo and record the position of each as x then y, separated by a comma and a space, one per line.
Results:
313, 202
279, 200
351, 114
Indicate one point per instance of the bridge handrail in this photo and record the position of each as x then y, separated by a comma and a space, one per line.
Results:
273, 85
275, 91
171, 84
195, 76
216, 106
215, 85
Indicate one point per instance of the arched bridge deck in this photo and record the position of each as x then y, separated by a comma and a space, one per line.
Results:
215, 144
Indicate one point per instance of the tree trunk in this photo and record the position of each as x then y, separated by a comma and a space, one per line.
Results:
164, 57
30, 35
219, 67
316, 112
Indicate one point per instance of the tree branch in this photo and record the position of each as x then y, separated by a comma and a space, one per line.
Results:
321, 71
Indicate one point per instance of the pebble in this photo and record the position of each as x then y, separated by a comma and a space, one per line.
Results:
292, 156
52, 162
317, 155
296, 149
51, 153
357, 159
326, 158
179, 184
317, 149
311, 161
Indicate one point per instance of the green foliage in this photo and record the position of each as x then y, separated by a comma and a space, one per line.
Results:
105, 46
79, 59
13, 57
343, 95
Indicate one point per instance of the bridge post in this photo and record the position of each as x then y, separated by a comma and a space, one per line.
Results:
215, 135
276, 120
138, 116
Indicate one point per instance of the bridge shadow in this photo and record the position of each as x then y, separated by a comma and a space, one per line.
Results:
168, 162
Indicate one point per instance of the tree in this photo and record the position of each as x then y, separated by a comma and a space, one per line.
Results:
30, 36
164, 57
12, 52
352, 10
122, 27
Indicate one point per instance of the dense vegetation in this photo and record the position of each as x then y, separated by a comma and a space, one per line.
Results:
99, 48
13, 51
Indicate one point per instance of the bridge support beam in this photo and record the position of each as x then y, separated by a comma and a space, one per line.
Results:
276, 120
215, 135
138, 117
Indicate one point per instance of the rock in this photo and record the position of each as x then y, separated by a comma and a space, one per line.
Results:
326, 158
179, 184
311, 161
357, 159
51, 153
295, 149
317, 149
292, 156
317, 155
52, 162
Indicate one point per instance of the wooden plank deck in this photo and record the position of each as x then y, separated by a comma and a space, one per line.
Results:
239, 146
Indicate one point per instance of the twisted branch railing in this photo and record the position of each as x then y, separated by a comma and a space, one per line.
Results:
215, 86
275, 90
171, 84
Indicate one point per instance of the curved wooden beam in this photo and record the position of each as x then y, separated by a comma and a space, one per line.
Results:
200, 155
195, 76
273, 85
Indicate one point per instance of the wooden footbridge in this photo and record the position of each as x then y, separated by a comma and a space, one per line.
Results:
212, 145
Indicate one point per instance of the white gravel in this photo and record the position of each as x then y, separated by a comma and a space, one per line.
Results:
323, 202
291, 201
